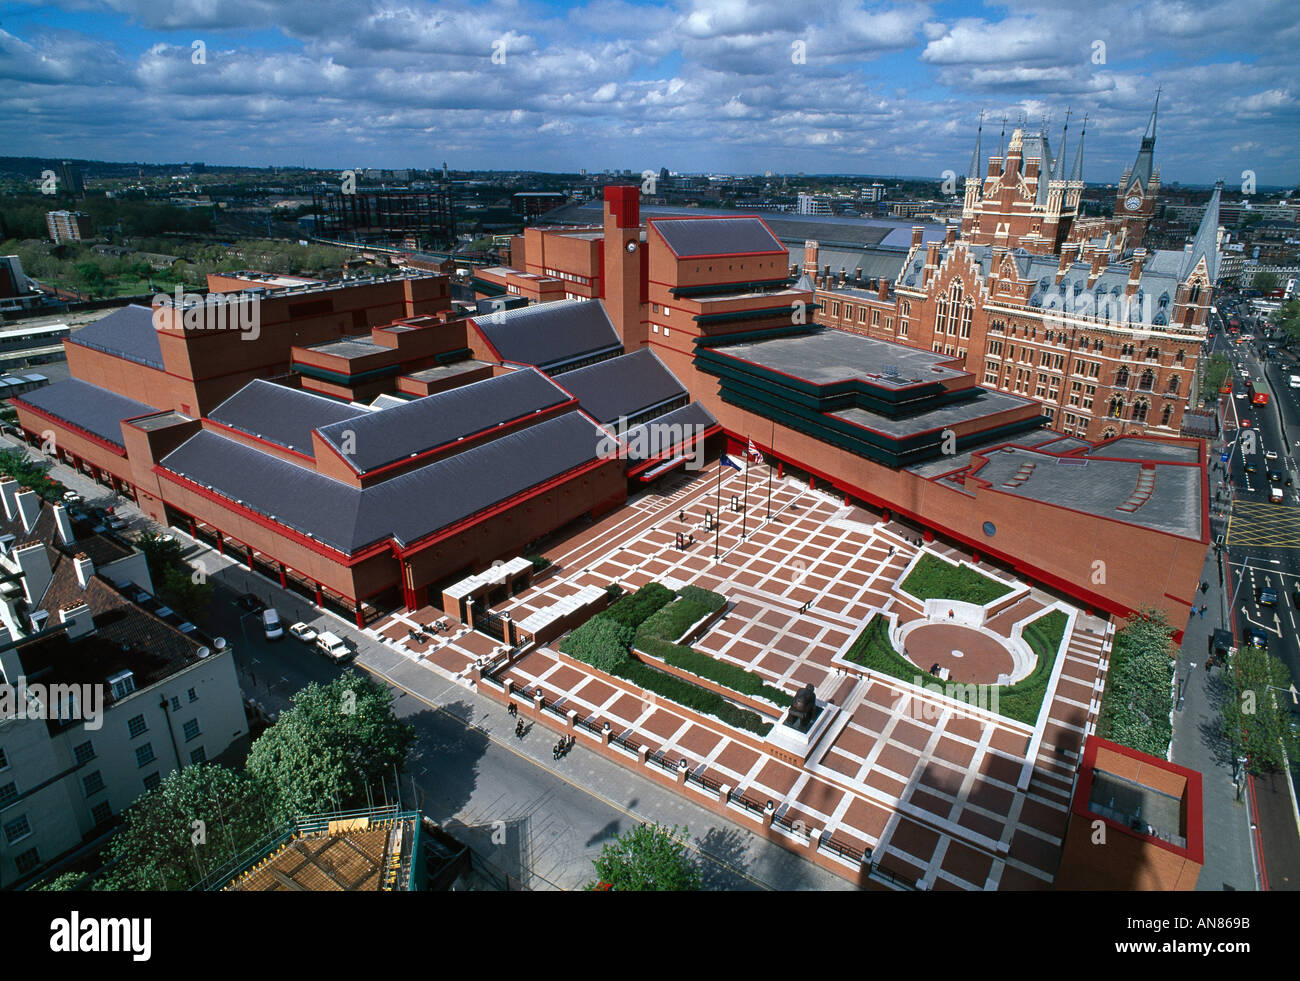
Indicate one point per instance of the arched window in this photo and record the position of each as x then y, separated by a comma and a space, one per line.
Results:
907, 308
1121, 377
1173, 384
1166, 415
1116, 410
1148, 380
1109, 433
1140, 410
1196, 293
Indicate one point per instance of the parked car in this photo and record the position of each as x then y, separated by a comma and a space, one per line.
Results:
250, 603
72, 497
303, 632
333, 647
271, 624
116, 522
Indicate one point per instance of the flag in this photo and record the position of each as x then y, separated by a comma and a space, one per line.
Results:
754, 455
729, 462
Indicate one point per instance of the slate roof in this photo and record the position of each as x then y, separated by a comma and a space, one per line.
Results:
652, 438
624, 386
127, 333
716, 236
88, 407
281, 415
405, 508
549, 334
389, 435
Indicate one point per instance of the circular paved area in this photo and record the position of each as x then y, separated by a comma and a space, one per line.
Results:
969, 655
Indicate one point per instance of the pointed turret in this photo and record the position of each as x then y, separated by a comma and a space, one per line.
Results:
1076, 172
1206, 243
1058, 165
974, 172
1144, 165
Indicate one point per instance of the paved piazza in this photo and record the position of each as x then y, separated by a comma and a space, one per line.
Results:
943, 794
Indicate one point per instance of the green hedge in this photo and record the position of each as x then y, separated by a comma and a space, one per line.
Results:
674, 619
600, 642
723, 672
935, 578
1021, 701
1024, 699
1138, 698
692, 696
634, 609
605, 639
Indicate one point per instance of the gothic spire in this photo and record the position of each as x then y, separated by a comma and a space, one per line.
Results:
1076, 172
974, 173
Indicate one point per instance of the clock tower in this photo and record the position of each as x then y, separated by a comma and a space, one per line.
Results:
1135, 199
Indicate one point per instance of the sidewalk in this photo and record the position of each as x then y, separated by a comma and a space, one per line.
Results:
1230, 862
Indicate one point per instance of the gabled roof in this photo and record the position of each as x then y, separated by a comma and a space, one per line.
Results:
281, 415
89, 407
716, 236
127, 333
623, 387
387, 436
549, 334
407, 507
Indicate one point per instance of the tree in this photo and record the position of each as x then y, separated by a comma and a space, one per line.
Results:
337, 740
192, 823
1216, 370
1288, 318
30, 473
1264, 282
649, 858
173, 579
1253, 723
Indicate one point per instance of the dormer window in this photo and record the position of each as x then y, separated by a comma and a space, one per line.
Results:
122, 684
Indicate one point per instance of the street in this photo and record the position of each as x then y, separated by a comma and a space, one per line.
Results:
1262, 539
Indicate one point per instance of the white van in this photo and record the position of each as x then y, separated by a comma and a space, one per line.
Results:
271, 624
1275, 495
333, 647
1295, 381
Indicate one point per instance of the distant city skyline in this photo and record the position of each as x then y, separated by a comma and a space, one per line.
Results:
736, 86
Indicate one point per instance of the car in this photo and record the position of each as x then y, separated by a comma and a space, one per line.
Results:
1251, 466
303, 632
1275, 495
116, 523
1270, 455
1266, 597
333, 647
1241, 395
1245, 423
250, 603
72, 497
1256, 638
271, 623
1274, 475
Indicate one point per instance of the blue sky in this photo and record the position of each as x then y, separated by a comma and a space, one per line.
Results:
724, 86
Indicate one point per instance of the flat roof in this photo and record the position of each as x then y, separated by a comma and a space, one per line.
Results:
827, 356
161, 421
1164, 497
441, 371
355, 347
1148, 448
984, 403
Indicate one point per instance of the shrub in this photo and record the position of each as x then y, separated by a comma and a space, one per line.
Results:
634, 609
1024, 699
1138, 698
600, 642
539, 562
934, 578
692, 696
613, 591
705, 597
673, 620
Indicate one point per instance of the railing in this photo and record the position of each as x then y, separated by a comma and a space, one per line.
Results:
844, 851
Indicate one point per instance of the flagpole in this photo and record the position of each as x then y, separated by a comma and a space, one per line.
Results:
771, 452
718, 513
744, 503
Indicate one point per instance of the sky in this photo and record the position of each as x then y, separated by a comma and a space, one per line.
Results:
728, 86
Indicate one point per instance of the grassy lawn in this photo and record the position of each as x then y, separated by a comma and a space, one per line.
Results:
1020, 701
933, 578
